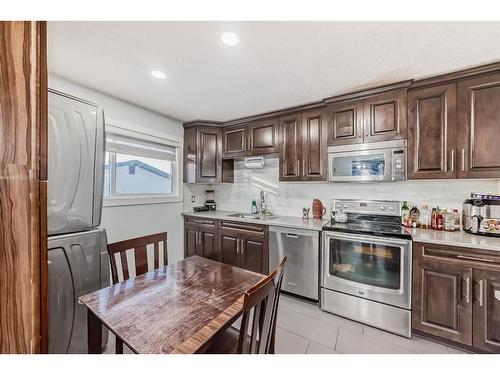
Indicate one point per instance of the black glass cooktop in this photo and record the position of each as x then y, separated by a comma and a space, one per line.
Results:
373, 228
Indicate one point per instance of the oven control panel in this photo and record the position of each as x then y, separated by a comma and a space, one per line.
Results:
392, 208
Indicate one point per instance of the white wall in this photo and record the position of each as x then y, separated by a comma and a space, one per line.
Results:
122, 222
289, 198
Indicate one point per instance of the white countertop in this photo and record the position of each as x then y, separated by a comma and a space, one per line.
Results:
456, 238
279, 221
440, 237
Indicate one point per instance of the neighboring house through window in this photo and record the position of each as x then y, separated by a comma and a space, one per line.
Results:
140, 168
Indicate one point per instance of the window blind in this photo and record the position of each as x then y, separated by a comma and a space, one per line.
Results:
131, 146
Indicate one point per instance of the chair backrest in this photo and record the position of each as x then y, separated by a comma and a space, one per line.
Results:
261, 302
139, 247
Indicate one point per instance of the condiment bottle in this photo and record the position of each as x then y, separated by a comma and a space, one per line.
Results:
434, 218
425, 217
440, 219
405, 213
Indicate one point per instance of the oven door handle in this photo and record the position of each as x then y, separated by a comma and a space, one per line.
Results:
371, 239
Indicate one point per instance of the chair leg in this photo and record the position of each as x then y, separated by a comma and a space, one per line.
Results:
119, 346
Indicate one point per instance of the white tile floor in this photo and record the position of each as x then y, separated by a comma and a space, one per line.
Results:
304, 329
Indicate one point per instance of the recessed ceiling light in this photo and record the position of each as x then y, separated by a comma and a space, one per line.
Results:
159, 75
229, 38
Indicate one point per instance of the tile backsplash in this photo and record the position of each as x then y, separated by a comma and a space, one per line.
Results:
286, 198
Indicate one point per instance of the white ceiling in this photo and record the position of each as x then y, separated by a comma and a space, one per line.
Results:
275, 65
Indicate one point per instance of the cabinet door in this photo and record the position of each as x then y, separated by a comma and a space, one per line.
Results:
252, 254
208, 244
479, 127
442, 300
229, 244
263, 137
314, 152
191, 240
385, 117
431, 132
209, 160
487, 311
234, 141
345, 123
290, 148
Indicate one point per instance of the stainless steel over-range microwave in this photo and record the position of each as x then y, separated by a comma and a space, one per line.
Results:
378, 161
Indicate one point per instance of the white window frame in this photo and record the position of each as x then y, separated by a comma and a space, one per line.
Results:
142, 199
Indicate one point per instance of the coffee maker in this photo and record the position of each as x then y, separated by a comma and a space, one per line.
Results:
481, 216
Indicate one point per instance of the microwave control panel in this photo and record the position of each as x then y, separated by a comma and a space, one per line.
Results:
398, 165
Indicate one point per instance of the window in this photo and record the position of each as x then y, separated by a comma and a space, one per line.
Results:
139, 170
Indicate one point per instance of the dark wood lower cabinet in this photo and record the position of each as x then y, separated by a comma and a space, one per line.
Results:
442, 304
456, 295
229, 244
487, 311
200, 238
238, 244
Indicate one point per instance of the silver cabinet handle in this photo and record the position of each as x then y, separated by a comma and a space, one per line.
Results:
242, 247
481, 283
467, 290
303, 168
196, 238
298, 167
452, 160
292, 235
463, 160
237, 246
474, 258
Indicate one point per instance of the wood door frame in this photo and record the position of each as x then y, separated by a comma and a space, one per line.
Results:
23, 165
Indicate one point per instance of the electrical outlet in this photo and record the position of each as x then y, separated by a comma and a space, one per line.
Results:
193, 198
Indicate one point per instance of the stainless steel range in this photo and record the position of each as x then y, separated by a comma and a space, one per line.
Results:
366, 265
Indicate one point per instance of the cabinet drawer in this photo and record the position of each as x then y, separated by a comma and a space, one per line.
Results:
244, 228
200, 221
484, 257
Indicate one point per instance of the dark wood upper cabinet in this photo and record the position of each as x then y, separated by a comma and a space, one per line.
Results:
385, 117
442, 300
345, 123
209, 154
479, 127
235, 141
487, 311
314, 148
263, 137
431, 132
290, 148
203, 155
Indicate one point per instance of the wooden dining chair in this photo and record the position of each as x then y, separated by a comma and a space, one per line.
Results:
260, 309
139, 247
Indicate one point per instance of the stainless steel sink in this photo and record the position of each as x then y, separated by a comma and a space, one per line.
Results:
252, 216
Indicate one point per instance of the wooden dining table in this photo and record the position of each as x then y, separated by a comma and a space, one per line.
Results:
179, 308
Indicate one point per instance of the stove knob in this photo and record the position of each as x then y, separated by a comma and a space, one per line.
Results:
392, 208
382, 208
345, 206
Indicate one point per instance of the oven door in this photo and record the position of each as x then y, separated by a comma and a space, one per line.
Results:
368, 165
370, 267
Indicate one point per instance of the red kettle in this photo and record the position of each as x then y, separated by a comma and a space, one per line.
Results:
318, 209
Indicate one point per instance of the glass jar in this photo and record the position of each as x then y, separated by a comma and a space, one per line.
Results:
449, 221
425, 217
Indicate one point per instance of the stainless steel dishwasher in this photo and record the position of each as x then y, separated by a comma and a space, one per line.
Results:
302, 249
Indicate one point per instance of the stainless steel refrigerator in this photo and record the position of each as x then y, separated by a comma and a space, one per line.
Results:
77, 255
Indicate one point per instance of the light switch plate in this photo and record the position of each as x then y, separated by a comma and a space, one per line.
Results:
193, 198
